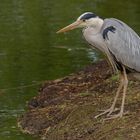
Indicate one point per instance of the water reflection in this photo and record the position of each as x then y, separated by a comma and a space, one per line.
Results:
31, 51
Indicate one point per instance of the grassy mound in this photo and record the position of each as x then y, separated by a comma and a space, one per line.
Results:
65, 108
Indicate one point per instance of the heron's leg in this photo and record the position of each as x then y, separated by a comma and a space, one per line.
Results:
117, 94
111, 109
125, 84
124, 91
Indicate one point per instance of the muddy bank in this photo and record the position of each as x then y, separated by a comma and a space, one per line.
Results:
65, 108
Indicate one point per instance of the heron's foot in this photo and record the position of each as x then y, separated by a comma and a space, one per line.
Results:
119, 115
112, 110
108, 112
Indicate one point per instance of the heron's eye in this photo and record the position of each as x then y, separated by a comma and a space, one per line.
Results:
84, 20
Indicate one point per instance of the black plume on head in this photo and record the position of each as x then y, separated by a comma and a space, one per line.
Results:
88, 16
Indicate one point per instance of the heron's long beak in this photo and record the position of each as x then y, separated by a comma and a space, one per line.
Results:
70, 27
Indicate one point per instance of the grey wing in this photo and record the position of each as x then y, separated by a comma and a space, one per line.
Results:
122, 42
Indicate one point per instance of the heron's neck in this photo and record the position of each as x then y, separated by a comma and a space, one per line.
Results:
96, 25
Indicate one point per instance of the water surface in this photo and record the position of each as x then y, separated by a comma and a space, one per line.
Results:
31, 51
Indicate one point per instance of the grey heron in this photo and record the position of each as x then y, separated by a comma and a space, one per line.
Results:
118, 42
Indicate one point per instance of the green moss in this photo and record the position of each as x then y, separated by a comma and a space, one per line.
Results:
114, 77
84, 94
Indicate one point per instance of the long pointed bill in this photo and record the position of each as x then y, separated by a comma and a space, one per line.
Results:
70, 27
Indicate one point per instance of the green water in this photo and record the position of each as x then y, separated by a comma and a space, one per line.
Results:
31, 51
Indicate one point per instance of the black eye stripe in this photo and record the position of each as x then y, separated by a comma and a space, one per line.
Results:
88, 16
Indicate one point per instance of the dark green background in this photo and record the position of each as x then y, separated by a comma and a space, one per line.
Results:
31, 51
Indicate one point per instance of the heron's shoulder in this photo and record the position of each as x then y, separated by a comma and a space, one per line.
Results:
119, 26
114, 22
111, 25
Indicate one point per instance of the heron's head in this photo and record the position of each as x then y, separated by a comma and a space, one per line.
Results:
87, 19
